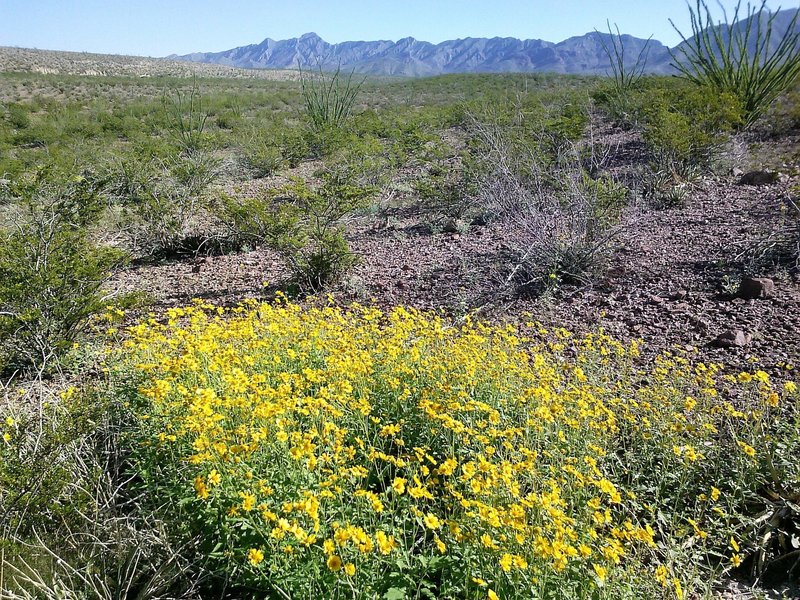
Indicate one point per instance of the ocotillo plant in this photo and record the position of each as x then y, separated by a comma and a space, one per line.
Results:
739, 56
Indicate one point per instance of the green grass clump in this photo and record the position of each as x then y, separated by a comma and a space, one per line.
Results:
329, 99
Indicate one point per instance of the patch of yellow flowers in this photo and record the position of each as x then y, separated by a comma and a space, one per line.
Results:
345, 445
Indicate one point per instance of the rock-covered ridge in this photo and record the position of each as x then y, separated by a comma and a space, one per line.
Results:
583, 54
411, 57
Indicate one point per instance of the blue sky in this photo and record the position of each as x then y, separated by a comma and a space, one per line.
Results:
162, 27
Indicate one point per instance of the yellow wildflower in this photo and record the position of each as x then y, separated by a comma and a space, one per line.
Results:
432, 521
334, 563
600, 571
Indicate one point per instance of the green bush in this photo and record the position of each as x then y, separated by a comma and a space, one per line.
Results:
685, 126
17, 116
50, 273
228, 120
261, 158
265, 150
303, 224
160, 201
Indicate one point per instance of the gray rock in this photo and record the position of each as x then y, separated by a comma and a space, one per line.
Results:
759, 178
756, 287
733, 339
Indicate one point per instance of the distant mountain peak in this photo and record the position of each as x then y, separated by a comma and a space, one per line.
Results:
583, 54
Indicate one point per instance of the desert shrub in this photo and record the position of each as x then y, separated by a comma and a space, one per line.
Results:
625, 76
194, 172
569, 122
740, 58
326, 140
358, 454
70, 528
38, 457
780, 247
364, 162
294, 146
451, 193
786, 114
72, 123
161, 201
17, 115
229, 119
50, 272
563, 223
261, 157
38, 134
686, 127
266, 149
302, 223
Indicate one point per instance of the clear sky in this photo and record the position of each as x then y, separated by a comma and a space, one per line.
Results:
162, 27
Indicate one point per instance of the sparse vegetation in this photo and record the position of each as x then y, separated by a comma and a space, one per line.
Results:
410, 449
303, 224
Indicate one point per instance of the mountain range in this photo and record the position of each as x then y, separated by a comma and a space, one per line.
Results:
409, 57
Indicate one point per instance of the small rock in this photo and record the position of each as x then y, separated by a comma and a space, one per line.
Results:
656, 299
680, 295
737, 172
759, 178
731, 339
756, 287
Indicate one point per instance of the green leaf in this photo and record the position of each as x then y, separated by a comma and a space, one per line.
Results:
395, 594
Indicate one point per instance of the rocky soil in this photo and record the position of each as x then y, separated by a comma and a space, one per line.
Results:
674, 281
